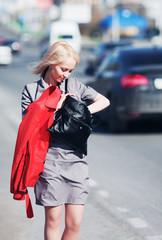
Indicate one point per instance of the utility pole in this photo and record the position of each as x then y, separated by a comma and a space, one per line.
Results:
115, 28
115, 22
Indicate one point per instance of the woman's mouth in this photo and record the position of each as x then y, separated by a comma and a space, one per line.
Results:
62, 78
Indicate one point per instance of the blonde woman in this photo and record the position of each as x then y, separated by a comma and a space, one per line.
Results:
64, 181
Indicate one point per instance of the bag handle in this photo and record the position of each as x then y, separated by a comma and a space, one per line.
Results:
66, 83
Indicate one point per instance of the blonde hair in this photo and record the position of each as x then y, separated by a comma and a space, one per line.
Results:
57, 53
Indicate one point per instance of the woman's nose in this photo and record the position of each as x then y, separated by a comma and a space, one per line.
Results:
66, 75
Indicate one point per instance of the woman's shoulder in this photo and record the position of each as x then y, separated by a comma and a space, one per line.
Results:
32, 87
84, 91
73, 81
33, 84
30, 90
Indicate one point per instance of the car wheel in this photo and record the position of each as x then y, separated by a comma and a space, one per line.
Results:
117, 125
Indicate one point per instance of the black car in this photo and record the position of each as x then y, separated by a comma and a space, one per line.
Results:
14, 45
99, 52
132, 79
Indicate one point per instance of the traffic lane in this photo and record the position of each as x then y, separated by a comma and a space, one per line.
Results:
126, 170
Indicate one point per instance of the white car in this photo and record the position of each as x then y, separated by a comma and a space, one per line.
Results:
5, 55
63, 30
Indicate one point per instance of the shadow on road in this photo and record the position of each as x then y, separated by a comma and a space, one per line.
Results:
141, 127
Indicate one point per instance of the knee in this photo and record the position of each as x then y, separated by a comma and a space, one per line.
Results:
73, 226
52, 222
53, 217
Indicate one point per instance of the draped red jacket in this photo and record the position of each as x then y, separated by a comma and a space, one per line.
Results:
32, 144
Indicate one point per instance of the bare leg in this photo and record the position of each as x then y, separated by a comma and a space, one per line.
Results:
52, 223
73, 218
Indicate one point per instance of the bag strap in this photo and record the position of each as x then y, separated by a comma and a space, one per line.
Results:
66, 83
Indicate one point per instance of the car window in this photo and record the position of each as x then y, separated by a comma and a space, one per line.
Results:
99, 49
110, 62
139, 58
114, 66
65, 36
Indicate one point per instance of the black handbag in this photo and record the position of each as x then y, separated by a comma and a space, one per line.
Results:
72, 124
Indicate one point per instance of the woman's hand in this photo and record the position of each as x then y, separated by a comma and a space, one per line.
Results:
62, 99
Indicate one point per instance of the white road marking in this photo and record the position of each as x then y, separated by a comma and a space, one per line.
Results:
158, 237
103, 193
123, 210
137, 222
92, 183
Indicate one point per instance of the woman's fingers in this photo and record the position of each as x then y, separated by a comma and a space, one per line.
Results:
62, 99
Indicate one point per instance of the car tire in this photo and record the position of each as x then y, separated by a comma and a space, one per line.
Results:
117, 125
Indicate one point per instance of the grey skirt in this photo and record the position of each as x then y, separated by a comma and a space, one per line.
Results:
64, 179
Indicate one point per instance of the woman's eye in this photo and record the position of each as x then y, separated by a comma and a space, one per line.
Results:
64, 69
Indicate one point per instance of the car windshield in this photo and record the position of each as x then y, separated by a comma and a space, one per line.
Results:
108, 60
99, 49
146, 57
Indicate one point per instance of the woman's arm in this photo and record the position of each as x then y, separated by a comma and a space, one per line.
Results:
98, 104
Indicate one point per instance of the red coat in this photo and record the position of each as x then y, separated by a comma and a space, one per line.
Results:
32, 144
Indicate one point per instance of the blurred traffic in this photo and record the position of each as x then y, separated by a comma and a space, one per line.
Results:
98, 53
131, 77
5, 56
13, 44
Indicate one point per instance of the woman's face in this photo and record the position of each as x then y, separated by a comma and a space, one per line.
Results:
62, 70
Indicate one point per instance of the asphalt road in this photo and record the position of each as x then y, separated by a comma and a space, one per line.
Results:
125, 200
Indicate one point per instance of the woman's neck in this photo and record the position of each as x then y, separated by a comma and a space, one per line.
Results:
47, 78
